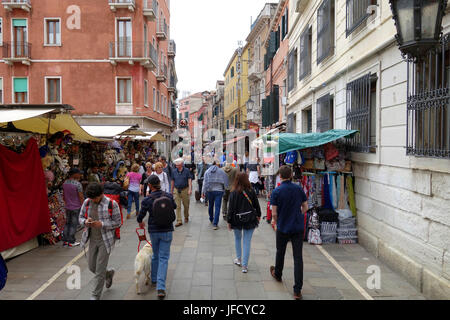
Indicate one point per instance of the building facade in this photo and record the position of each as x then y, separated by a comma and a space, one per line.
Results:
257, 51
110, 58
346, 72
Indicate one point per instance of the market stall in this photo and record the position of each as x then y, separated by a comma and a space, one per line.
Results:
322, 167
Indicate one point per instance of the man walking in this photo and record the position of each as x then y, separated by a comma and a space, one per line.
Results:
160, 233
100, 216
73, 199
231, 173
167, 168
181, 189
289, 203
214, 185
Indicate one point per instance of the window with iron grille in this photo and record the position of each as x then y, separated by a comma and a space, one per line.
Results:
428, 111
325, 116
325, 30
292, 70
307, 120
305, 53
361, 108
357, 14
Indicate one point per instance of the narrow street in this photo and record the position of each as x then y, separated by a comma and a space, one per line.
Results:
201, 268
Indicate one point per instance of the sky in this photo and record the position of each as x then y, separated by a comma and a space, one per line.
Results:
206, 33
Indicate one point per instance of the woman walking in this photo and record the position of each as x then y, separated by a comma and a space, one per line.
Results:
243, 217
133, 189
254, 172
159, 172
145, 176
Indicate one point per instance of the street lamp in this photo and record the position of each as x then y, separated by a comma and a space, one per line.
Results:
419, 25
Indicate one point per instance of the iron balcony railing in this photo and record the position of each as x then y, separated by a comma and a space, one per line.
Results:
6, 2
16, 50
172, 82
162, 28
162, 70
172, 47
151, 5
122, 2
153, 53
254, 69
130, 49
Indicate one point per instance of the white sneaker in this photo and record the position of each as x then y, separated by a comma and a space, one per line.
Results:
244, 270
237, 262
75, 244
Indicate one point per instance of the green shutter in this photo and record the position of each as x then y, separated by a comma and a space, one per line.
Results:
272, 45
19, 22
20, 85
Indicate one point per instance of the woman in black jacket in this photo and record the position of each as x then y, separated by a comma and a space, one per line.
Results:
243, 217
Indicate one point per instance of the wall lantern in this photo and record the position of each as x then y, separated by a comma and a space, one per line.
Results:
419, 25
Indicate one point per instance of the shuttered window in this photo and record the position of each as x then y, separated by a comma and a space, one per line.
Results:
360, 105
305, 53
324, 109
292, 70
53, 90
325, 30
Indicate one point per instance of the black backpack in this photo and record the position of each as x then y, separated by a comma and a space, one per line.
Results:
163, 210
3, 272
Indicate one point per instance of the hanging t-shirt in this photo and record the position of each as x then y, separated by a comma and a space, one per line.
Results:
135, 181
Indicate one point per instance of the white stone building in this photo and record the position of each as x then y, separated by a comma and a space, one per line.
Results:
349, 73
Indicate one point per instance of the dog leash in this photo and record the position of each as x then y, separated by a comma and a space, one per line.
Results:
141, 237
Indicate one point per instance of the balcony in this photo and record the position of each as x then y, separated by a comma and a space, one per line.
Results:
150, 9
172, 85
17, 4
17, 52
161, 30
172, 50
131, 52
122, 4
255, 71
161, 73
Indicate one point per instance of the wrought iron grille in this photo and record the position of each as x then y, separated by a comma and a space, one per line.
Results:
356, 14
305, 53
428, 111
325, 30
324, 113
359, 111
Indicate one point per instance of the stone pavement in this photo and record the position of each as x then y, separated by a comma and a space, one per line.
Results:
201, 268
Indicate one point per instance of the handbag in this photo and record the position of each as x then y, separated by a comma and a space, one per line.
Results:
126, 183
247, 216
314, 236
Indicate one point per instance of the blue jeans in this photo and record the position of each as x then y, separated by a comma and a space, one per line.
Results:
133, 196
246, 244
215, 200
161, 242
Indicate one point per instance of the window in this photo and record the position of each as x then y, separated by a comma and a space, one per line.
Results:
236, 122
232, 72
154, 99
1, 31
307, 120
428, 110
361, 107
325, 116
52, 32
284, 24
357, 13
20, 90
124, 36
157, 101
292, 70
232, 120
53, 90
325, 30
124, 90
1, 90
146, 93
186, 115
291, 121
228, 124
305, 53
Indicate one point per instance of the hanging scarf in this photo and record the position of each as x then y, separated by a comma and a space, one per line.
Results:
351, 195
326, 192
342, 198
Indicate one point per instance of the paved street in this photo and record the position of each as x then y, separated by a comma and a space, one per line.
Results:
201, 267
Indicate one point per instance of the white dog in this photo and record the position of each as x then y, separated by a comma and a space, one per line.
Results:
142, 263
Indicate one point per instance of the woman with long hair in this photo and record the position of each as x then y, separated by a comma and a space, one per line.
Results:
145, 176
133, 189
243, 217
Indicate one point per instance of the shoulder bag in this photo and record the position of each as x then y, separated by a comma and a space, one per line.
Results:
247, 216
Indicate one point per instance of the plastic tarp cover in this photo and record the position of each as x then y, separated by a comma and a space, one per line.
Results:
297, 141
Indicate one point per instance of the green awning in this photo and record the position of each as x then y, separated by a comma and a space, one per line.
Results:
20, 85
19, 22
297, 141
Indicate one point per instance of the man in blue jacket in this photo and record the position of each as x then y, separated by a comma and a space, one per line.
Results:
160, 236
214, 185
289, 203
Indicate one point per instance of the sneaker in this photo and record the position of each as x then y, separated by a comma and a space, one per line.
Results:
237, 262
94, 298
74, 244
298, 296
161, 294
244, 269
215, 227
109, 278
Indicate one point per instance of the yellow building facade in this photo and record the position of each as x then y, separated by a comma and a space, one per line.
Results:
237, 91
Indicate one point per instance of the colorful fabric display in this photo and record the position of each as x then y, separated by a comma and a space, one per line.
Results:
351, 195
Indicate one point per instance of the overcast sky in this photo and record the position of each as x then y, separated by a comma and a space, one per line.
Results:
206, 33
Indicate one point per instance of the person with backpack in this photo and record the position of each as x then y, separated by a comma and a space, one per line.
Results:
100, 218
160, 207
289, 203
231, 173
214, 185
243, 216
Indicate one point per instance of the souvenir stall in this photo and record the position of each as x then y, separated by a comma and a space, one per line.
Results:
58, 139
322, 166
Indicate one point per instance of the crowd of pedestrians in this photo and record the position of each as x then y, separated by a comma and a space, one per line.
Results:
224, 187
